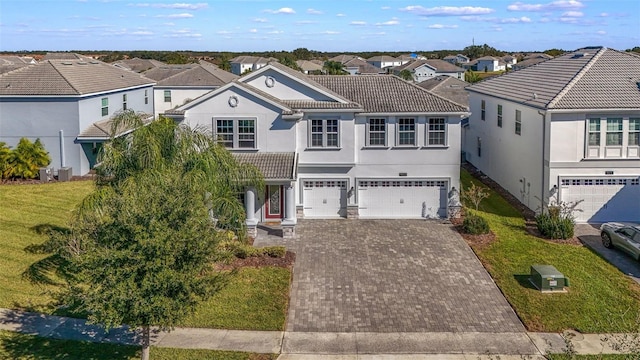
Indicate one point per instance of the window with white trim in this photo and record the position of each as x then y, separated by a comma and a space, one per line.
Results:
518, 122
167, 96
406, 132
483, 109
146, 97
324, 133
124, 101
499, 115
105, 106
634, 132
437, 132
236, 133
377, 132
479, 146
614, 132
594, 132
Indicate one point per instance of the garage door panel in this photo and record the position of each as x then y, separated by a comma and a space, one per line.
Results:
401, 198
325, 198
603, 199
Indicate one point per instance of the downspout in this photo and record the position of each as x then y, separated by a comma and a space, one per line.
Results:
62, 159
544, 144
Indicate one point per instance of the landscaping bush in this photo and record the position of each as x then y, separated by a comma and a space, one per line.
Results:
274, 251
555, 226
243, 251
475, 225
24, 161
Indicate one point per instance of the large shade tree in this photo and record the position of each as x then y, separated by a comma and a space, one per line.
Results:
141, 247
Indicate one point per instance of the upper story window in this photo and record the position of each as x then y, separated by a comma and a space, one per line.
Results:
437, 132
124, 101
406, 132
499, 115
105, 106
479, 146
167, 96
324, 133
518, 122
236, 133
634, 132
614, 132
594, 132
146, 97
376, 132
483, 111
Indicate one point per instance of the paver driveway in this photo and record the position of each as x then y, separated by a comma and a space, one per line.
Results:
390, 276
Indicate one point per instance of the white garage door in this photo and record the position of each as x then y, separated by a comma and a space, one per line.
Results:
603, 199
402, 199
324, 198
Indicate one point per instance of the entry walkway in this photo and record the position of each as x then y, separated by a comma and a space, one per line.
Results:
316, 346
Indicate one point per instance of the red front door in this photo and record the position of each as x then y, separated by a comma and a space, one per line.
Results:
274, 203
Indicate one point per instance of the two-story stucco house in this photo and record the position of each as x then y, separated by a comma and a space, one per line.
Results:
384, 61
422, 70
490, 63
335, 146
456, 59
178, 84
243, 64
67, 104
567, 129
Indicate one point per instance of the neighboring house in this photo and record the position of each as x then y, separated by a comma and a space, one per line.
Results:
384, 61
509, 60
422, 70
490, 63
63, 56
531, 59
65, 103
138, 65
242, 64
456, 59
344, 58
310, 66
335, 146
357, 66
568, 128
12, 62
178, 84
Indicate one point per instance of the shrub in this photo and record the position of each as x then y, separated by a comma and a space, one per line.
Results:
555, 226
27, 158
475, 225
5, 157
274, 251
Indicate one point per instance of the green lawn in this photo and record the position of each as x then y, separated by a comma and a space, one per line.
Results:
28, 347
600, 298
254, 299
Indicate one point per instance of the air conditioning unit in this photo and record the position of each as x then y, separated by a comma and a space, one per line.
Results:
44, 174
65, 174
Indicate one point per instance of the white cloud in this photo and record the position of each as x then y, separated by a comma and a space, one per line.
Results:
284, 10
496, 20
259, 20
169, 24
385, 8
601, 32
185, 6
276, 32
340, 15
330, 32
184, 33
391, 22
523, 19
142, 32
224, 32
176, 16
554, 5
544, 20
314, 12
440, 26
569, 20
253, 30
604, 14
497, 28
573, 14
305, 22
358, 23
447, 10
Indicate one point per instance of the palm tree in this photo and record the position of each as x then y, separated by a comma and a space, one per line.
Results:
406, 75
334, 68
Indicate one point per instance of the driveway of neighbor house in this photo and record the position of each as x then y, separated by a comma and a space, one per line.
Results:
389, 276
590, 236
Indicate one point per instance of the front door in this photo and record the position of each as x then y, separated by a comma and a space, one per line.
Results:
274, 202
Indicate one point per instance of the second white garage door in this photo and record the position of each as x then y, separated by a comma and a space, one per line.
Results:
324, 198
402, 199
603, 199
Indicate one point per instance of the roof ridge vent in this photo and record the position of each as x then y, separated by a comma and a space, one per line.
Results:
66, 63
580, 54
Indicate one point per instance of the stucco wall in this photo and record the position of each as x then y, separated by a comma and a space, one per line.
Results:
178, 97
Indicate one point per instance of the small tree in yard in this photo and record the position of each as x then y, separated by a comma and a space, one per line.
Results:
474, 195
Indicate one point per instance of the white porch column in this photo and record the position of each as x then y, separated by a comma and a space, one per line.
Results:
250, 208
290, 220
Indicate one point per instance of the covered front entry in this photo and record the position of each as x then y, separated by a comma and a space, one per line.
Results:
274, 202
402, 198
603, 199
324, 198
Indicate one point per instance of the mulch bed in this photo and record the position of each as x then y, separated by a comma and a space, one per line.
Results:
37, 181
261, 261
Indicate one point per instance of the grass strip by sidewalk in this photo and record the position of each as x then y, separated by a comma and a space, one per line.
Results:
600, 299
28, 347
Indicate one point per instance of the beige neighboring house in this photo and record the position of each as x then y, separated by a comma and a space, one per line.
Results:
344, 58
179, 84
243, 64
422, 70
63, 56
357, 66
67, 105
12, 62
138, 65
310, 66
449, 88
384, 61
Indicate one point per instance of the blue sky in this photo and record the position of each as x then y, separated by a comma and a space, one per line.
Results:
329, 25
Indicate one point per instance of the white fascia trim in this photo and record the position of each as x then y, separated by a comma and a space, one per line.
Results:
331, 110
565, 111
417, 114
90, 139
219, 90
117, 90
339, 165
76, 96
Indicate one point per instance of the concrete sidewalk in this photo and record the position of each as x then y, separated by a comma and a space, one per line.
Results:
318, 346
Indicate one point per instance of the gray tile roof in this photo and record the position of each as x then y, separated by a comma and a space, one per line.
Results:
62, 56
139, 65
190, 75
385, 58
102, 129
343, 58
307, 65
274, 166
68, 77
245, 59
363, 67
449, 88
387, 94
311, 104
439, 65
590, 78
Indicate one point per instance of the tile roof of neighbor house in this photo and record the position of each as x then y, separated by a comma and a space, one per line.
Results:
246, 59
387, 94
68, 77
343, 58
198, 75
274, 166
589, 78
363, 67
528, 62
102, 129
309, 65
138, 65
63, 56
385, 58
449, 88
12, 62
439, 65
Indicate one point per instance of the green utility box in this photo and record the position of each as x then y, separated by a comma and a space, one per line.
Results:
547, 278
